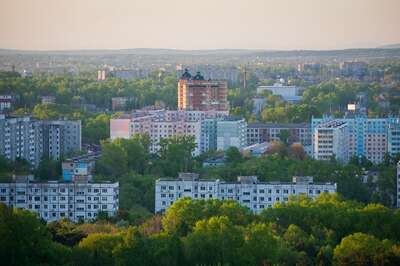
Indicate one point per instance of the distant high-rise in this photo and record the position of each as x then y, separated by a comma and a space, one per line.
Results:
196, 93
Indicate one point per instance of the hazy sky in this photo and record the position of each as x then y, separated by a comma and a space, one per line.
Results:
201, 24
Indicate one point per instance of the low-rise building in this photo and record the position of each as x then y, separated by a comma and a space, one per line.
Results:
80, 167
288, 93
121, 103
257, 149
248, 191
214, 162
268, 132
259, 103
5, 102
56, 200
48, 99
159, 124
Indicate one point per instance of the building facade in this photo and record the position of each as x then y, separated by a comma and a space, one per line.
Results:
394, 137
196, 93
398, 186
60, 138
5, 102
268, 132
80, 167
371, 138
248, 191
288, 93
159, 124
231, 132
22, 137
56, 200
331, 141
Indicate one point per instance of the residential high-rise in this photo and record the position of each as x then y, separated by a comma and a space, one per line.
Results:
22, 137
368, 137
330, 140
231, 132
398, 186
394, 137
196, 93
248, 191
60, 137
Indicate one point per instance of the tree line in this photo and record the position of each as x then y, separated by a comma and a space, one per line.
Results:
326, 231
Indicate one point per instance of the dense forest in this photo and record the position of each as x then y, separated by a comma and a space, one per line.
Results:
327, 231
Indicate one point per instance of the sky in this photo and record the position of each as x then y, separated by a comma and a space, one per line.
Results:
201, 24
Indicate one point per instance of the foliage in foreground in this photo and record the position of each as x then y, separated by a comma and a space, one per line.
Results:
327, 231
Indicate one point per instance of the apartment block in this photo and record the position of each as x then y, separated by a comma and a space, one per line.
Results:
56, 200
159, 124
5, 102
60, 138
331, 140
231, 132
268, 132
368, 137
248, 191
394, 137
196, 93
398, 186
23, 137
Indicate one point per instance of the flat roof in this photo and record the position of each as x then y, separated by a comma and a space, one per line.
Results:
275, 125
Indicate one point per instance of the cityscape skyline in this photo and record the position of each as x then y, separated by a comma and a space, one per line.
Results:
270, 25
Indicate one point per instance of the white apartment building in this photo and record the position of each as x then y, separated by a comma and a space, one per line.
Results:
331, 139
55, 200
159, 124
288, 93
231, 132
248, 191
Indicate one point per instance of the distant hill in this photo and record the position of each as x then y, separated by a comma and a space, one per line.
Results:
390, 46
